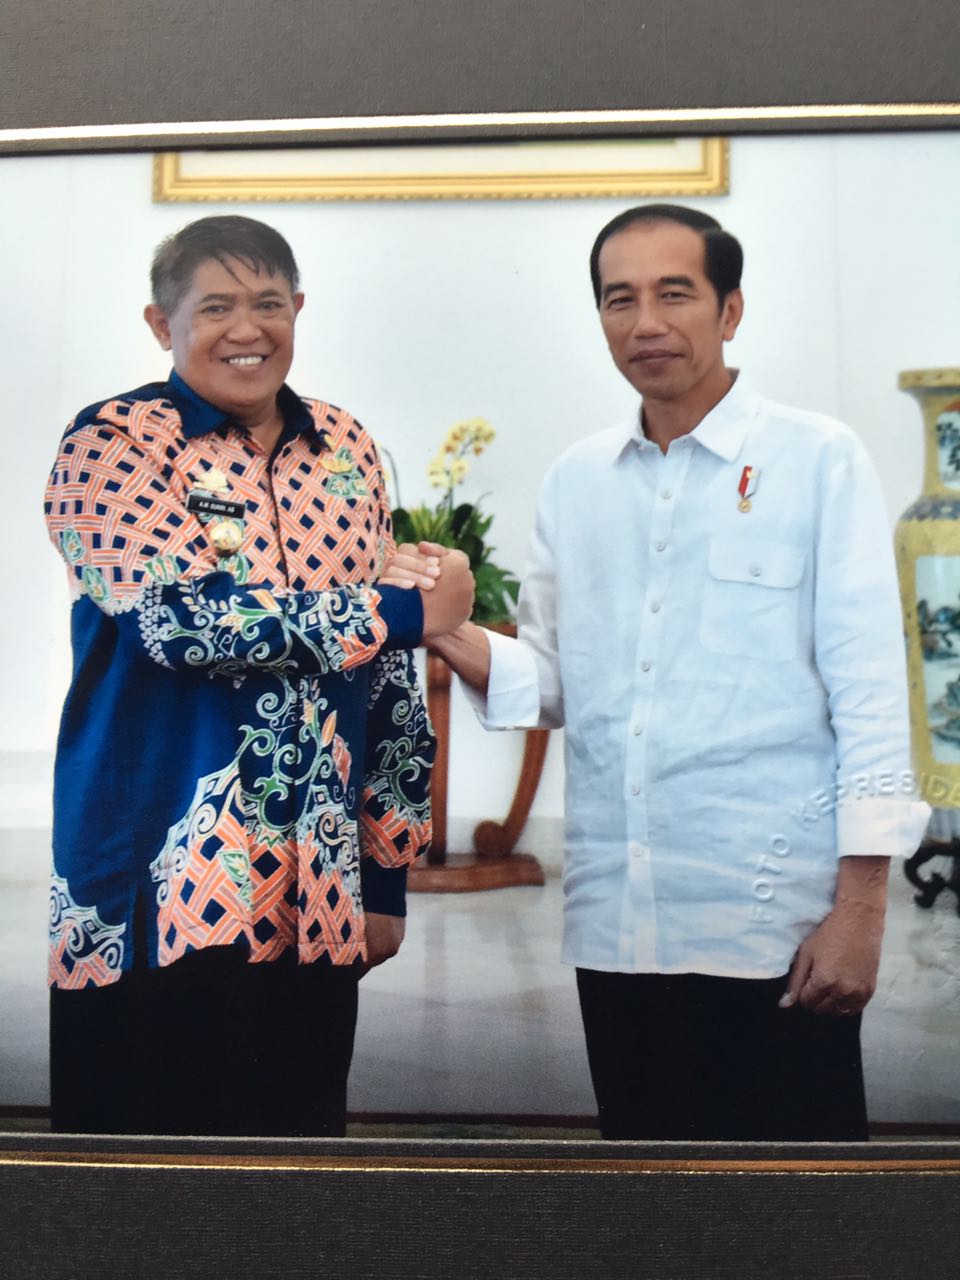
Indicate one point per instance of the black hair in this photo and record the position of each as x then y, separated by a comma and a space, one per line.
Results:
223, 237
723, 256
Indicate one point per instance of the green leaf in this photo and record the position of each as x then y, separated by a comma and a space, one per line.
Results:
465, 528
461, 517
422, 524
402, 525
473, 546
496, 594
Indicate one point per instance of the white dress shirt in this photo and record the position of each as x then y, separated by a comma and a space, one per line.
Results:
732, 684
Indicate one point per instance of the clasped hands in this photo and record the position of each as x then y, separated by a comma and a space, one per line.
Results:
443, 578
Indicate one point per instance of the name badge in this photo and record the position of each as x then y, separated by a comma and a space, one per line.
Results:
203, 504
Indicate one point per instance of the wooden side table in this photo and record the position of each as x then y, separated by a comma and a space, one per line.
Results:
493, 864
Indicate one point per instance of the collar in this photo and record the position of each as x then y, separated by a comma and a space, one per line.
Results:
722, 431
725, 427
199, 416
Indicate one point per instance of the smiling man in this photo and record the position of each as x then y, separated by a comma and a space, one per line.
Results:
730, 674
243, 765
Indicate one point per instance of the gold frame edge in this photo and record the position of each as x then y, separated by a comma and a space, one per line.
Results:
711, 178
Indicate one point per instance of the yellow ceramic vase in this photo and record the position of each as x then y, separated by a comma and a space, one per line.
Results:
928, 561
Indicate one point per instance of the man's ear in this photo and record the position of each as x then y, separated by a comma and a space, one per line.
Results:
297, 303
156, 318
732, 313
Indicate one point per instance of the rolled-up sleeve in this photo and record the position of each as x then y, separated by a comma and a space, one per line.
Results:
525, 689
858, 631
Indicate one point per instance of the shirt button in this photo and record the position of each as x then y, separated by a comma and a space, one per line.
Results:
755, 571
666, 494
635, 789
661, 545
646, 664
655, 606
637, 730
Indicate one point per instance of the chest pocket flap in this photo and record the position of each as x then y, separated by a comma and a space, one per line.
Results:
750, 599
760, 561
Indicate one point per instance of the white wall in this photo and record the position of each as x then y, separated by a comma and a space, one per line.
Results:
422, 313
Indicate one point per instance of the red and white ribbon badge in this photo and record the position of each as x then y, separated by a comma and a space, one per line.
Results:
749, 479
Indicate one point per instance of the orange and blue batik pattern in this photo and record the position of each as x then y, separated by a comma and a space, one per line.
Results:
244, 746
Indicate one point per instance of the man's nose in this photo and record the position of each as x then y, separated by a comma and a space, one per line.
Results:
648, 319
244, 325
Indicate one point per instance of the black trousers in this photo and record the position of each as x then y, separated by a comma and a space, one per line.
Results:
694, 1057
209, 1045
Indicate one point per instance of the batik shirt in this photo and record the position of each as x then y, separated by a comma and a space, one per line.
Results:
243, 722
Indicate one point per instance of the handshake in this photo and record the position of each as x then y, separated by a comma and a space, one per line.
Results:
443, 578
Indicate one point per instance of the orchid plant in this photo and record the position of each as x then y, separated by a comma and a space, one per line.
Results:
462, 525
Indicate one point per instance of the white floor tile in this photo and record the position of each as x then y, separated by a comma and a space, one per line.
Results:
478, 1015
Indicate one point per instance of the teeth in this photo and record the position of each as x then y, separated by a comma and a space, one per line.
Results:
246, 360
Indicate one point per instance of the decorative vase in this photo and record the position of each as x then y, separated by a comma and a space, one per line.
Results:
927, 542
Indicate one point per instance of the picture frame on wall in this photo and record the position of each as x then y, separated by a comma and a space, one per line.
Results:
511, 170
181, 1207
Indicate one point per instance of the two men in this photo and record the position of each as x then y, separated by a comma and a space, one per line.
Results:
243, 766
243, 719
711, 612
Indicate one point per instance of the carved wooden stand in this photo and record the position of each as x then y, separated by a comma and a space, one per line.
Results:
930, 889
493, 865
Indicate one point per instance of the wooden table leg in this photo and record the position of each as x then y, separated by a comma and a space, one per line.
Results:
497, 839
494, 865
438, 704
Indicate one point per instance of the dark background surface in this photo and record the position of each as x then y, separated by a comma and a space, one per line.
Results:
92, 62
504, 1210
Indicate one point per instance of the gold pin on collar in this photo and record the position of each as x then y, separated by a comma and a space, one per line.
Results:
336, 466
214, 481
331, 461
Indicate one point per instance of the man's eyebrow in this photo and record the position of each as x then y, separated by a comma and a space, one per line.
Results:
613, 287
230, 297
685, 282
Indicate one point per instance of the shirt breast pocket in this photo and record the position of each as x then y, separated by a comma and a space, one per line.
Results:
751, 598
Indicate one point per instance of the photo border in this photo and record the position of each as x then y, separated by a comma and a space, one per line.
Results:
480, 126
365, 1208
884, 1209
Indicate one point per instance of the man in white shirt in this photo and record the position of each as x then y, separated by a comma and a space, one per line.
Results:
730, 675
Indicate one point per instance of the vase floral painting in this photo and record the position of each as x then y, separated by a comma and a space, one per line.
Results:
938, 617
948, 445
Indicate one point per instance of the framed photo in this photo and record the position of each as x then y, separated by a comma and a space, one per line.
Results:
157, 1205
480, 170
